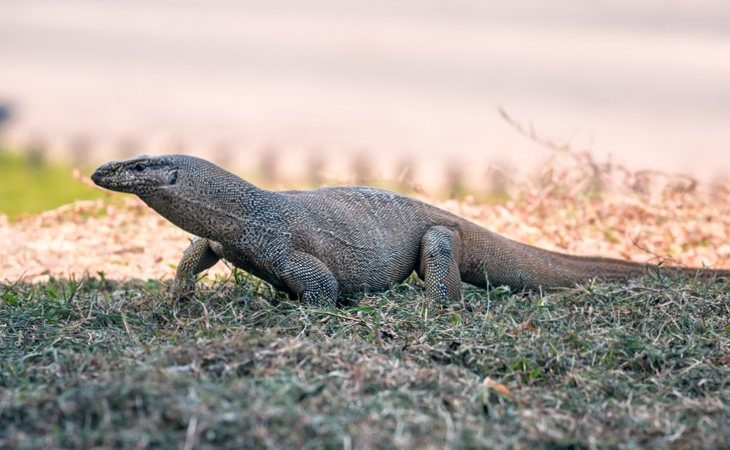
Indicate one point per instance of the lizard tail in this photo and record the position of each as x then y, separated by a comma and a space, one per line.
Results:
502, 261
583, 268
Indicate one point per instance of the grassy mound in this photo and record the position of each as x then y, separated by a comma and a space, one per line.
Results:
30, 187
97, 363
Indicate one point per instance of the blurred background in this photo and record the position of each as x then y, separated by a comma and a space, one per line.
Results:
417, 91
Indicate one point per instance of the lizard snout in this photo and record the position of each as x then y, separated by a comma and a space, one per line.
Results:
100, 174
109, 176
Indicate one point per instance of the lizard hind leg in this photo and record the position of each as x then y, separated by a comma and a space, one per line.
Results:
199, 256
439, 266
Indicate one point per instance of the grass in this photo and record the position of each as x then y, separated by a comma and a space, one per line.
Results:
27, 188
98, 363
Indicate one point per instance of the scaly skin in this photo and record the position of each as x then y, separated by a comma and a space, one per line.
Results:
321, 244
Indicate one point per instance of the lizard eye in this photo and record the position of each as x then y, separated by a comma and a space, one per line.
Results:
139, 167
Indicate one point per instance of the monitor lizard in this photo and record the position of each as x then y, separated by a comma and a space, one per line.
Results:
321, 244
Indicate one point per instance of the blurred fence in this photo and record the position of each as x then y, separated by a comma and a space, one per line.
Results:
271, 166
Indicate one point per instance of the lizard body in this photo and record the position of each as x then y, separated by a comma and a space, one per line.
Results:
328, 242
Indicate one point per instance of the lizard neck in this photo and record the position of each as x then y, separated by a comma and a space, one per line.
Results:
214, 206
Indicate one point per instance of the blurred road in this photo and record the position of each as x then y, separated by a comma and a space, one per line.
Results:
645, 81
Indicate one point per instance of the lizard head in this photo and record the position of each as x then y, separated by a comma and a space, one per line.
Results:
194, 194
143, 176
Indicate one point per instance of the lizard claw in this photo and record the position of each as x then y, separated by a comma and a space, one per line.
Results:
318, 300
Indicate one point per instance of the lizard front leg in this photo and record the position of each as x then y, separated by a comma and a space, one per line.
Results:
310, 279
198, 257
439, 266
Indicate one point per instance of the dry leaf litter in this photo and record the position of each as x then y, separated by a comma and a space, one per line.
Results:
126, 240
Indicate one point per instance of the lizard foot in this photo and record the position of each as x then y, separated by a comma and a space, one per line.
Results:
182, 290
